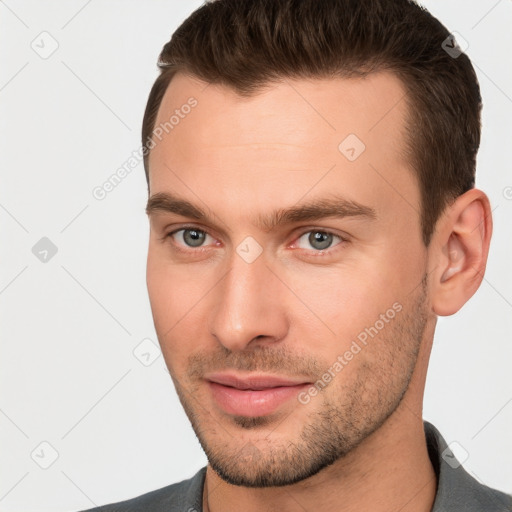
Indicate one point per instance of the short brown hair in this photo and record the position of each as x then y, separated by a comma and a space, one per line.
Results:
246, 44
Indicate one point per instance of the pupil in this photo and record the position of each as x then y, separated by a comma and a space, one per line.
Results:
320, 240
193, 237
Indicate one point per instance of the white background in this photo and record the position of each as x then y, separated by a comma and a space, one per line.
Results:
69, 326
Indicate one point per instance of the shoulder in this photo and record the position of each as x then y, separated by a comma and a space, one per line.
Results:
184, 496
457, 490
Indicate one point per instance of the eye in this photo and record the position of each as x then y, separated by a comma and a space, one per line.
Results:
190, 237
318, 240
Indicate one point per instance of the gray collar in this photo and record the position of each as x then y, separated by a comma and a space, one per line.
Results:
457, 490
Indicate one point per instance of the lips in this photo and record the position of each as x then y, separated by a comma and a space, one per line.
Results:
252, 395
254, 382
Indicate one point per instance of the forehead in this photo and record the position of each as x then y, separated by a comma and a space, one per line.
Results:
367, 105
292, 138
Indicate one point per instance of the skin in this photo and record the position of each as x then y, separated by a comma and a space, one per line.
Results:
359, 443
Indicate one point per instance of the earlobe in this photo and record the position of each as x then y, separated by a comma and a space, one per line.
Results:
460, 251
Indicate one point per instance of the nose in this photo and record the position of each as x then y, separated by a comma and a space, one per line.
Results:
249, 306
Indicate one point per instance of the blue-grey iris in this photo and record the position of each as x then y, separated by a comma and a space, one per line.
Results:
193, 237
320, 240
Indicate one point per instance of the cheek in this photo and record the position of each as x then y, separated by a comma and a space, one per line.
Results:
345, 298
355, 307
172, 288
177, 296
160, 290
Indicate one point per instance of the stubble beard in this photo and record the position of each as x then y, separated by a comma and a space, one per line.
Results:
332, 429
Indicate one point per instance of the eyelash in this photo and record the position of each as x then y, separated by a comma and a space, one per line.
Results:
202, 249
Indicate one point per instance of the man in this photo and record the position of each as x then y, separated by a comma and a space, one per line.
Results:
312, 208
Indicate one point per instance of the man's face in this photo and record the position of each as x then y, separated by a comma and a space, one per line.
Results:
329, 298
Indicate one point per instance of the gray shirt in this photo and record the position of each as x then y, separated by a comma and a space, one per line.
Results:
456, 489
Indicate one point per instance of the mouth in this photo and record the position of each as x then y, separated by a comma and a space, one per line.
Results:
252, 395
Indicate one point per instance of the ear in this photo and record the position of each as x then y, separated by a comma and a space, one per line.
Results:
459, 250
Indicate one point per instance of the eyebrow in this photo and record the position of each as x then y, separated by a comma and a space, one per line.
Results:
332, 206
